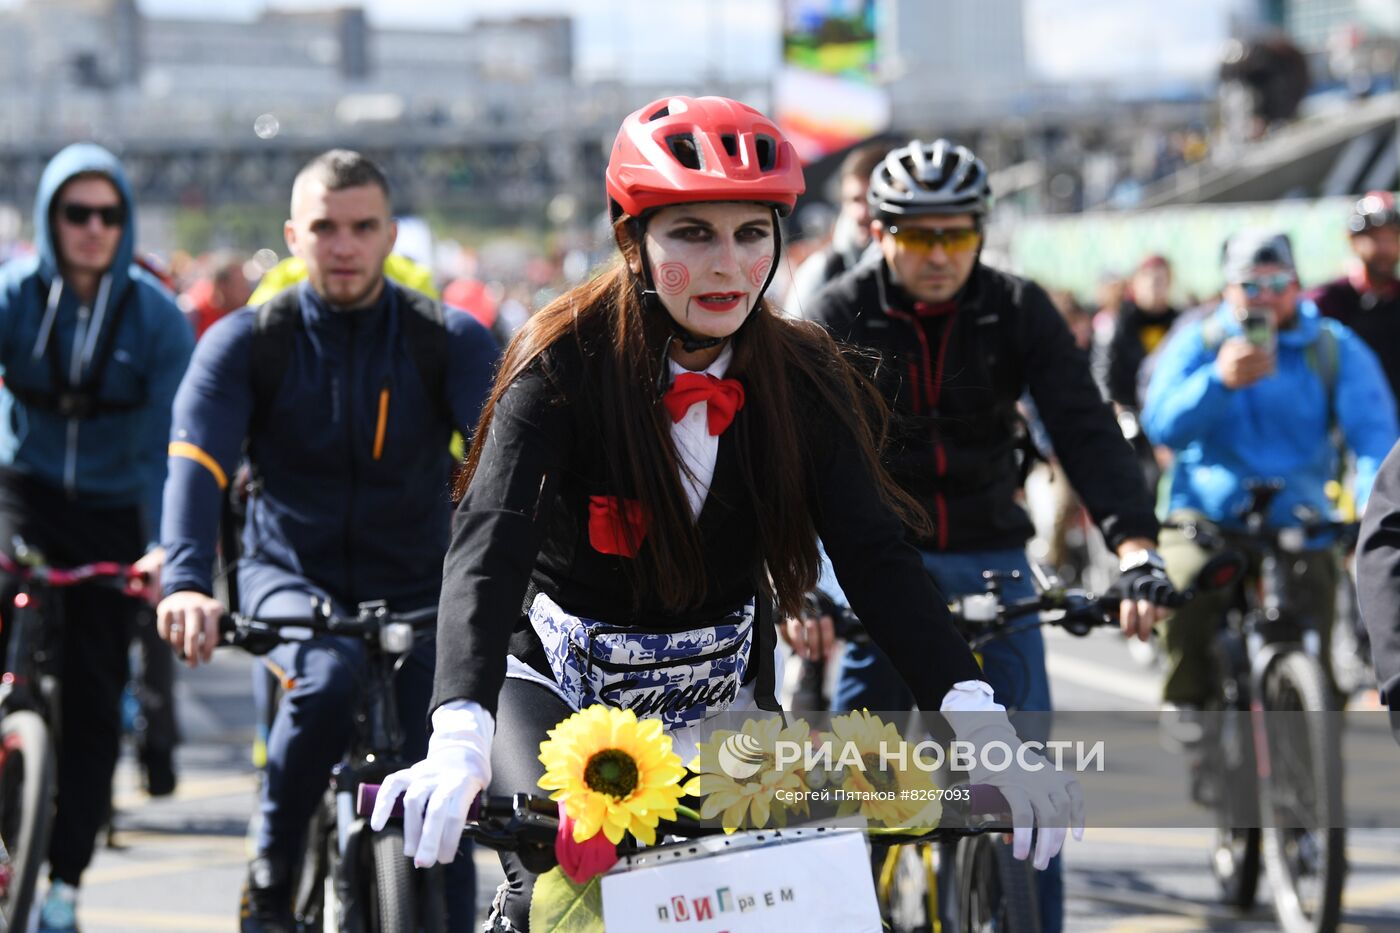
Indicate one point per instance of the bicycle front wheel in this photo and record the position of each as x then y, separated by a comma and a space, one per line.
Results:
996, 891
27, 780
393, 904
1304, 839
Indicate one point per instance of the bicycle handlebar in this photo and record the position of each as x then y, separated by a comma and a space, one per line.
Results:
1288, 538
242, 631
509, 822
118, 575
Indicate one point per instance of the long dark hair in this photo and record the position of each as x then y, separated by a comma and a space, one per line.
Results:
773, 356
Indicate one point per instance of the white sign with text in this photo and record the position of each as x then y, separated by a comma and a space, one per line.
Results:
816, 883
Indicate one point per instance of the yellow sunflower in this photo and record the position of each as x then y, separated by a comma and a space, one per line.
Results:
882, 791
613, 773
756, 795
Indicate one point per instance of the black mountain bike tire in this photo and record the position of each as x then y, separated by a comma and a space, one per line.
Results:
393, 902
995, 890
1295, 683
28, 778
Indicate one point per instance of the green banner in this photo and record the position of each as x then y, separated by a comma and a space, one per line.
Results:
1074, 252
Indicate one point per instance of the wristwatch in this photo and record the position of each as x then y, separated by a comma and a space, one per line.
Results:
1143, 558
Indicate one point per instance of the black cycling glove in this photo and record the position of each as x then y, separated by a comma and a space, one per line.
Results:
1146, 581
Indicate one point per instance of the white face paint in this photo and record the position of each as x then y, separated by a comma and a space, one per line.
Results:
709, 261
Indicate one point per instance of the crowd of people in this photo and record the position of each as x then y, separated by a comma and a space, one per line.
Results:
668, 449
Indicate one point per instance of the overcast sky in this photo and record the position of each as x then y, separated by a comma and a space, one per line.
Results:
1066, 39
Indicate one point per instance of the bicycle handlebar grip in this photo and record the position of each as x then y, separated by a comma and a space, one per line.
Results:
367, 794
987, 804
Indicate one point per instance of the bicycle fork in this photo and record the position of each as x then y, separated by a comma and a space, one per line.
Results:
350, 831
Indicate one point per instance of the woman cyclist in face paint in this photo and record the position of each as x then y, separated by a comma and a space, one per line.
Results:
660, 453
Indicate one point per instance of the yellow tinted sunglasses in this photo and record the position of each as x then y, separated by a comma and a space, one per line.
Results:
923, 239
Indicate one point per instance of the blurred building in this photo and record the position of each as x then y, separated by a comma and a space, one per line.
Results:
209, 112
1314, 24
954, 63
100, 66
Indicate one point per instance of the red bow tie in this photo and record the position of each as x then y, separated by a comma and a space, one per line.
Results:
724, 397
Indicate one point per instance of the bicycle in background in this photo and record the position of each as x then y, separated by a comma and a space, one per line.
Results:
1273, 777
30, 704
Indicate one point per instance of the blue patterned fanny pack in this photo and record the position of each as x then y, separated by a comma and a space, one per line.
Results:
678, 676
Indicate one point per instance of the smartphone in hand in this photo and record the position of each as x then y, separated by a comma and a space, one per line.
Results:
1260, 328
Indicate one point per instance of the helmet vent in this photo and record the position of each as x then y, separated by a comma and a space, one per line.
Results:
730, 143
767, 152
663, 112
687, 153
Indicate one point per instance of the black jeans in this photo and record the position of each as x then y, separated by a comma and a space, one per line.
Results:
525, 713
99, 624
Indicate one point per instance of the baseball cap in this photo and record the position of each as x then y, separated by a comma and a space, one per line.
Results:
1250, 248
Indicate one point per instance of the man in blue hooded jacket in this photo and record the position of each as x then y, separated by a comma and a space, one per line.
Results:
92, 349
1252, 392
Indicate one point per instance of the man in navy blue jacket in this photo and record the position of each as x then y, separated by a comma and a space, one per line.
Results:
350, 451
91, 350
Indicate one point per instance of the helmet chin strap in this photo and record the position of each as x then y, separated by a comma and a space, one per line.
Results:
690, 342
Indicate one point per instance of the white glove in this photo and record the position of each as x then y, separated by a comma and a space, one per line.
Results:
1044, 797
438, 791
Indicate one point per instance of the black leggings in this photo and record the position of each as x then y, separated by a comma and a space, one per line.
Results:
525, 713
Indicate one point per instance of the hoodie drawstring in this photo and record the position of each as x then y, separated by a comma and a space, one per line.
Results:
99, 313
50, 312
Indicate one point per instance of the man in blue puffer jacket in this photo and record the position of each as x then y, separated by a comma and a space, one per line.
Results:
1252, 392
92, 349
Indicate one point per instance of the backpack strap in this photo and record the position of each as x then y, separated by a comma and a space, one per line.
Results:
83, 400
425, 338
1325, 359
278, 320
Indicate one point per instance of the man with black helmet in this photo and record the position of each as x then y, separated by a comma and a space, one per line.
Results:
959, 343
1367, 298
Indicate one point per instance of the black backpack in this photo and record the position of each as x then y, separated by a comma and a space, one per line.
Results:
279, 319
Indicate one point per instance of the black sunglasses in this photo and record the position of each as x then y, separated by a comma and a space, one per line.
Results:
79, 214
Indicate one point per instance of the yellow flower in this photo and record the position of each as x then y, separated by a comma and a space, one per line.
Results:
884, 791
754, 795
613, 773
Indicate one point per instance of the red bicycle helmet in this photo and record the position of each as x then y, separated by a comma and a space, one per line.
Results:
683, 149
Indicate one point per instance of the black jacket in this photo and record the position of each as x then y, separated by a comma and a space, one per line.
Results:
1378, 576
1375, 318
1118, 354
953, 375
524, 525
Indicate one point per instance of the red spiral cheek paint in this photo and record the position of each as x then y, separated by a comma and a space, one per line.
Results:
759, 273
672, 278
